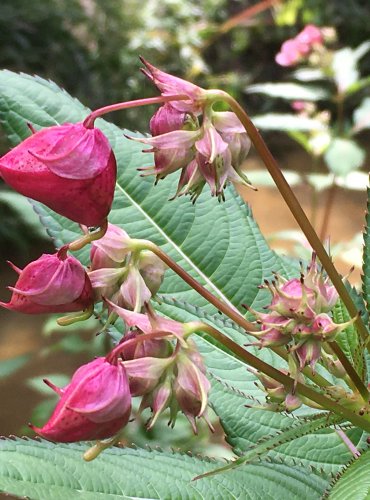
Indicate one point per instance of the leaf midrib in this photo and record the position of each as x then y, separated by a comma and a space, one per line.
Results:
206, 279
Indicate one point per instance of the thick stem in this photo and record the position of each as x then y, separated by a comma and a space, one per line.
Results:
231, 313
90, 119
295, 207
88, 238
351, 372
289, 383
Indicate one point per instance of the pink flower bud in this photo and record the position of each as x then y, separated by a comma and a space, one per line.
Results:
310, 35
172, 85
152, 269
167, 119
110, 250
95, 405
69, 168
191, 389
52, 283
145, 373
290, 53
308, 353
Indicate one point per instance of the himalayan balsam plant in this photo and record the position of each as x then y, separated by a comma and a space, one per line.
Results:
197, 310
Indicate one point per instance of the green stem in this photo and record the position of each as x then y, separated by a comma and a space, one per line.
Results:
295, 207
351, 372
90, 119
289, 383
230, 312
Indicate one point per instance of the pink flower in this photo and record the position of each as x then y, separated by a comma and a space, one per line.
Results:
290, 53
69, 168
51, 284
96, 404
310, 35
168, 84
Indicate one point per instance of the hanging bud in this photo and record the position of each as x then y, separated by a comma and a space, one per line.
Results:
191, 389
51, 284
110, 250
69, 168
96, 404
171, 85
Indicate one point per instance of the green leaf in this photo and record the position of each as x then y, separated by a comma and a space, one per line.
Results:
246, 427
309, 74
345, 66
11, 365
219, 244
271, 442
289, 91
354, 483
361, 116
348, 339
286, 122
366, 257
343, 156
42, 470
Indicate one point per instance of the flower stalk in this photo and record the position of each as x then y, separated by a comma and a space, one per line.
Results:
288, 382
296, 209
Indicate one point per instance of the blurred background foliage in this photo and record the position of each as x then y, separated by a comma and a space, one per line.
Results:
91, 48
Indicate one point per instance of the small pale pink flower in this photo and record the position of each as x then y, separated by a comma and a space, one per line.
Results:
69, 168
110, 250
310, 35
96, 404
52, 283
290, 53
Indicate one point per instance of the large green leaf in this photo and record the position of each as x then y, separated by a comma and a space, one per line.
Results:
354, 483
42, 470
289, 91
245, 427
219, 244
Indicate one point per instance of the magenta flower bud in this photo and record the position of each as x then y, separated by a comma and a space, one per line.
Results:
96, 404
292, 402
69, 168
167, 119
110, 250
51, 284
172, 85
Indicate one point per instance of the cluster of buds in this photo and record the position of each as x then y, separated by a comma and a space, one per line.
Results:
211, 152
296, 49
299, 316
156, 361
122, 274
59, 283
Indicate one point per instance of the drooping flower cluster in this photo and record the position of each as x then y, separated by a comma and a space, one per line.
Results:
96, 404
122, 274
211, 152
299, 316
296, 49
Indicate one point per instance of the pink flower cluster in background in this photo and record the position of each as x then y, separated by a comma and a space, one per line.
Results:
295, 49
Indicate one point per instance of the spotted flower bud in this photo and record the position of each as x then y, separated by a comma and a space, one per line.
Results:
299, 317
96, 404
51, 284
69, 168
